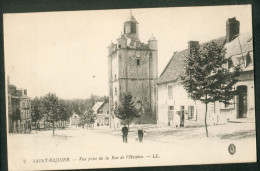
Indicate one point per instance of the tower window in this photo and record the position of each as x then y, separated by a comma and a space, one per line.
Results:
133, 27
115, 91
138, 62
115, 77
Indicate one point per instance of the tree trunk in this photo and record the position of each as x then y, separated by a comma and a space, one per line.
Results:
44, 125
206, 120
39, 126
20, 124
53, 128
16, 126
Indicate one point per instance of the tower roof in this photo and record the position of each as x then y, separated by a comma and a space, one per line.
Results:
131, 18
111, 44
152, 38
122, 36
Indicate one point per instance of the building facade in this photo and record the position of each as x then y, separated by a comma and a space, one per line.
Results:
74, 120
101, 111
176, 109
19, 110
132, 67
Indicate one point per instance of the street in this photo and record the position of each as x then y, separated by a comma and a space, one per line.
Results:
85, 148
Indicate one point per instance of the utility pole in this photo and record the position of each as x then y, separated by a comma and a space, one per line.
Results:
240, 47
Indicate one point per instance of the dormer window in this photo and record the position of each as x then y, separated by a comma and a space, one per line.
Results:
119, 46
230, 64
248, 60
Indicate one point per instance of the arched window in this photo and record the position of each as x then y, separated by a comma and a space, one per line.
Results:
138, 62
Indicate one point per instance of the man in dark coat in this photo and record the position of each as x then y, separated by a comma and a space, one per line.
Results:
125, 133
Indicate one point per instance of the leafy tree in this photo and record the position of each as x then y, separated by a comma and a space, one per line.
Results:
206, 79
126, 111
51, 105
63, 112
90, 117
37, 110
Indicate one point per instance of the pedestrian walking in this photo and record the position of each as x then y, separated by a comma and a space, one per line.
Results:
125, 133
140, 132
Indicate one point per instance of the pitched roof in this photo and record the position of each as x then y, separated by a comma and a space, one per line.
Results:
152, 38
233, 48
97, 106
175, 67
105, 106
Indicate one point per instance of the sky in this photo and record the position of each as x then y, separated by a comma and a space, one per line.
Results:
66, 52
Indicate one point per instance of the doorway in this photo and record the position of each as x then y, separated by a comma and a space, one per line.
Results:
170, 115
182, 116
242, 101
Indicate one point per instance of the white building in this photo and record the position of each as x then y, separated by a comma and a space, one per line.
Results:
176, 109
74, 119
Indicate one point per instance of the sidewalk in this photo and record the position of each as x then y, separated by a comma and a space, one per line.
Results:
229, 131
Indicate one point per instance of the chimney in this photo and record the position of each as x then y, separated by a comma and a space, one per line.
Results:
232, 29
192, 45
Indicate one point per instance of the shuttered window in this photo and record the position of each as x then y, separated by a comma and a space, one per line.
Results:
191, 112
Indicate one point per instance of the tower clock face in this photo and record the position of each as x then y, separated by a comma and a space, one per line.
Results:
138, 53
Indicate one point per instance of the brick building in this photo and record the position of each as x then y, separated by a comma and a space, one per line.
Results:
174, 105
132, 67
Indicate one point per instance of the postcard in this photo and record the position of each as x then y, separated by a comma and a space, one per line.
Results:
129, 87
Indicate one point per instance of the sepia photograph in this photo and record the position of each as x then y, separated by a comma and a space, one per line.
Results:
135, 87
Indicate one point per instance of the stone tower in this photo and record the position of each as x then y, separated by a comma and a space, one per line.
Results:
132, 67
